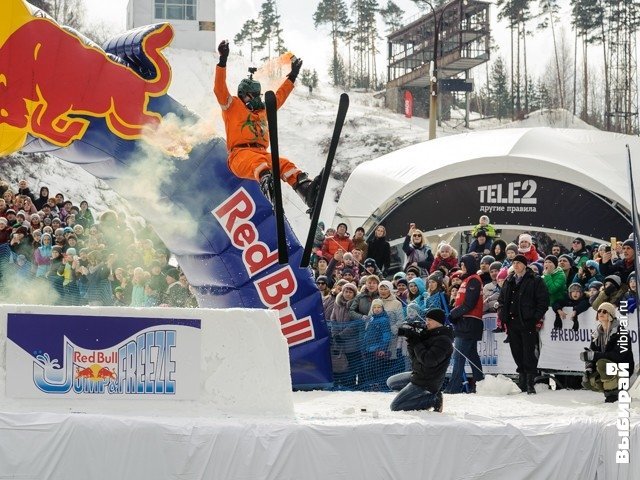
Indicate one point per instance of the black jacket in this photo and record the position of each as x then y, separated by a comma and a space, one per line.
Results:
379, 249
430, 355
618, 353
531, 303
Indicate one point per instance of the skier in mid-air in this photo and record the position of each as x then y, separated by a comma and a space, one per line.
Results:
245, 121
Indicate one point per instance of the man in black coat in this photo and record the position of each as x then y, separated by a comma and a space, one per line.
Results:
523, 302
430, 351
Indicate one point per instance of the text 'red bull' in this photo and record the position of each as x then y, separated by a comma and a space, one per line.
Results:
275, 289
49, 79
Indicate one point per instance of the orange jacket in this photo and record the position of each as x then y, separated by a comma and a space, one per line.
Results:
241, 124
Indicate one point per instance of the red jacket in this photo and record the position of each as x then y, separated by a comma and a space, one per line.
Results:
332, 244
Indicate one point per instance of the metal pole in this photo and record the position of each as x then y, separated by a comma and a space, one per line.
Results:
433, 101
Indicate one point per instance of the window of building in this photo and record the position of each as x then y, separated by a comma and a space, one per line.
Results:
176, 9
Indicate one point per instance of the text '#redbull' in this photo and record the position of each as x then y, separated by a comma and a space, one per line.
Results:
118, 356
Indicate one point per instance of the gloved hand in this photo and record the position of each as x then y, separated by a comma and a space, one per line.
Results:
587, 355
223, 50
296, 64
412, 336
631, 304
557, 325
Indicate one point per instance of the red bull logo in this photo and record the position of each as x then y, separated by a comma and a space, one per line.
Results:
275, 289
50, 80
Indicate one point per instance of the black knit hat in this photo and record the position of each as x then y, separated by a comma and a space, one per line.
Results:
552, 258
437, 315
521, 259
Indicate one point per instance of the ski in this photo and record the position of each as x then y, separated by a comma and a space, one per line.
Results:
325, 173
272, 119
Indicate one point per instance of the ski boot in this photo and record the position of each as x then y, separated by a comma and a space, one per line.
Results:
307, 189
266, 185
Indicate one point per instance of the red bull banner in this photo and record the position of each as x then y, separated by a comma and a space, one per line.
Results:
89, 356
100, 109
408, 104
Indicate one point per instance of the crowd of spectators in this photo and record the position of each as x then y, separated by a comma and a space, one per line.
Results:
353, 278
56, 251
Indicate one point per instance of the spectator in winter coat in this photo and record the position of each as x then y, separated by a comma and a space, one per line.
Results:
359, 242
579, 252
554, 279
447, 256
371, 268
322, 282
377, 338
485, 266
467, 325
491, 290
526, 248
416, 293
612, 291
361, 305
609, 345
379, 249
576, 300
622, 266
418, 252
565, 262
346, 333
484, 224
336, 242
394, 310
42, 256
499, 250
510, 253
402, 291
434, 296
523, 302
42, 198
481, 245
588, 273
430, 353
632, 293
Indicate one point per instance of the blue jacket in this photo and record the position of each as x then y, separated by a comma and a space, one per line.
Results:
378, 333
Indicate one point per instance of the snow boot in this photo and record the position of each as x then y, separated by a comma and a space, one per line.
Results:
307, 189
610, 396
439, 403
266, 185
531, 383
522, 382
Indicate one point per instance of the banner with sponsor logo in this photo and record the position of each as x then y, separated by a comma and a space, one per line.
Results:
91, 356
560, 349
509, 199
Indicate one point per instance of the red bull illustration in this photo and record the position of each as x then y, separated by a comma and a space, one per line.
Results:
41, 93
93, 106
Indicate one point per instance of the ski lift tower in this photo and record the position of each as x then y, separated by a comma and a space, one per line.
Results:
436, 51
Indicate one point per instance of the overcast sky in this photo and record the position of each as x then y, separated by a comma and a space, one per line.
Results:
313, 45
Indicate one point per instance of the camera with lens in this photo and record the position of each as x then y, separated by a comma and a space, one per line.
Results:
410, 329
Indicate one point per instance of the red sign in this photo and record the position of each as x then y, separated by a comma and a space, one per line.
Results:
408, 104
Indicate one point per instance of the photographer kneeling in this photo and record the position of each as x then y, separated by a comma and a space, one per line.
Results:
430, 348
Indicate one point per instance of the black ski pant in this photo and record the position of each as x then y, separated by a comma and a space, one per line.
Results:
523, 341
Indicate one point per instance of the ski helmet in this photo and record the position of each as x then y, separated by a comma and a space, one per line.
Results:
251, 87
